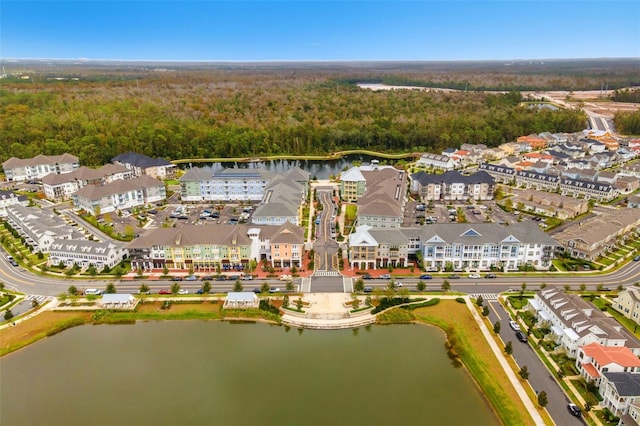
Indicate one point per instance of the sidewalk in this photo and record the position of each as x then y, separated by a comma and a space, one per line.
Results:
533, 411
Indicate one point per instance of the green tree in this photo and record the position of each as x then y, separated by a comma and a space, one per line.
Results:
446, 286
485, 311
289, 285
524, 372
421, 286
111, 288
583, 287
543, 399
285, 301
496, 327
355, 302
523, 286
8, 314
237, 286
91, 270
358, 286
144, 288
479, 300
72, 290
129, 232
508, 348
299, 304
165, 270
206, 287
175, 288
265, 287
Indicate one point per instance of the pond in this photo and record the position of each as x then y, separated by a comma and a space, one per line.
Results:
207, 372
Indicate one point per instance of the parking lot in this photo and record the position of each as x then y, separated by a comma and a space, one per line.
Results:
418, 214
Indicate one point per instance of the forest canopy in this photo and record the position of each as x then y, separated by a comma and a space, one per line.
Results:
193, 113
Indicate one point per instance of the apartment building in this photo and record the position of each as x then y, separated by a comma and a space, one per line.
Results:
595, 359
140, 164
453, 186
120, 195
17, 169
9, 198
549, 203
62, 187
85, 253
382, 204
203, 184
40, 227
463, 247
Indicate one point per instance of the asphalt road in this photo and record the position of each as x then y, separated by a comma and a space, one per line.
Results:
539, 377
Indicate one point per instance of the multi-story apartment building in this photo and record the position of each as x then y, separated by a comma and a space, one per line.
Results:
84, 253
453, 185
140, 164
575, 322
595, 359
354, 182
628, 303
549, 203
382, 204
203, 184
61, 187
120, 195
591, 238
461, 246
620, 393
499, 173
16, 169
39, 227
218, 247
438, 162
587, 189
283, 199
9, 198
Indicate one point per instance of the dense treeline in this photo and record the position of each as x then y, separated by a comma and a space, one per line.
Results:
177, 114
626, 95
627, 123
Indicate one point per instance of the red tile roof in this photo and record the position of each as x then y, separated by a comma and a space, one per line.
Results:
605, 355
591, 371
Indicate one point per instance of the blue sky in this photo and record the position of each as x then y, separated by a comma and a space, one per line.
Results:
319, 30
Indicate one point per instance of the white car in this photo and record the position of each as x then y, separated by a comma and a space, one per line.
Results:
474, 276
183, 291
514, 325
285, 277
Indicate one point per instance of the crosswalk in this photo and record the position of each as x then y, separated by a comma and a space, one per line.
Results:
485, 296
326, 274
38, 298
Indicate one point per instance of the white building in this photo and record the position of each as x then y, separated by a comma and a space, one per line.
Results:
62, 187
120, 195
8, 198
84, 253
595, 359
438, 162
17, 169
39, 227
575, 322
202, 184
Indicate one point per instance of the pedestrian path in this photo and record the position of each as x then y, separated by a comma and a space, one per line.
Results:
485, 296
38, 298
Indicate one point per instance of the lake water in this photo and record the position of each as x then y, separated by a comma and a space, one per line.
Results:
316, 168
215, 373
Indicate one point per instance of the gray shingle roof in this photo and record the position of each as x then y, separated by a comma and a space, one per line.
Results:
627, 384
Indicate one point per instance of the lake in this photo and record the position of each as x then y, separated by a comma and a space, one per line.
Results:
217, 373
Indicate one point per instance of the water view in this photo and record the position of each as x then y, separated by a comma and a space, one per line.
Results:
206, 373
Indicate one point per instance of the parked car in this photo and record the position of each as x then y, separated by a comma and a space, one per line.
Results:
191, 278
490, 276
398, 284
274, 290
368, 289
521, 336
514, 325
474, 276
13, 263
454, 277
574, 409
425, 277
366, 276
247, 278
636, 258
385, 276
257, 290
164, 291
285, 277
199, 291
176, 278
421, 207
183, 291
207, 278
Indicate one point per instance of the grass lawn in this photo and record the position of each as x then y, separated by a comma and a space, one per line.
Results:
478, 358
38, 327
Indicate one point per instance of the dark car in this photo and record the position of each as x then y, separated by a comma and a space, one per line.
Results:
176, 278
368, 289
490, 276
637, 258
257, 290
206, 278
454, 276
574, 409
366, 277
521, 336
425, 277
